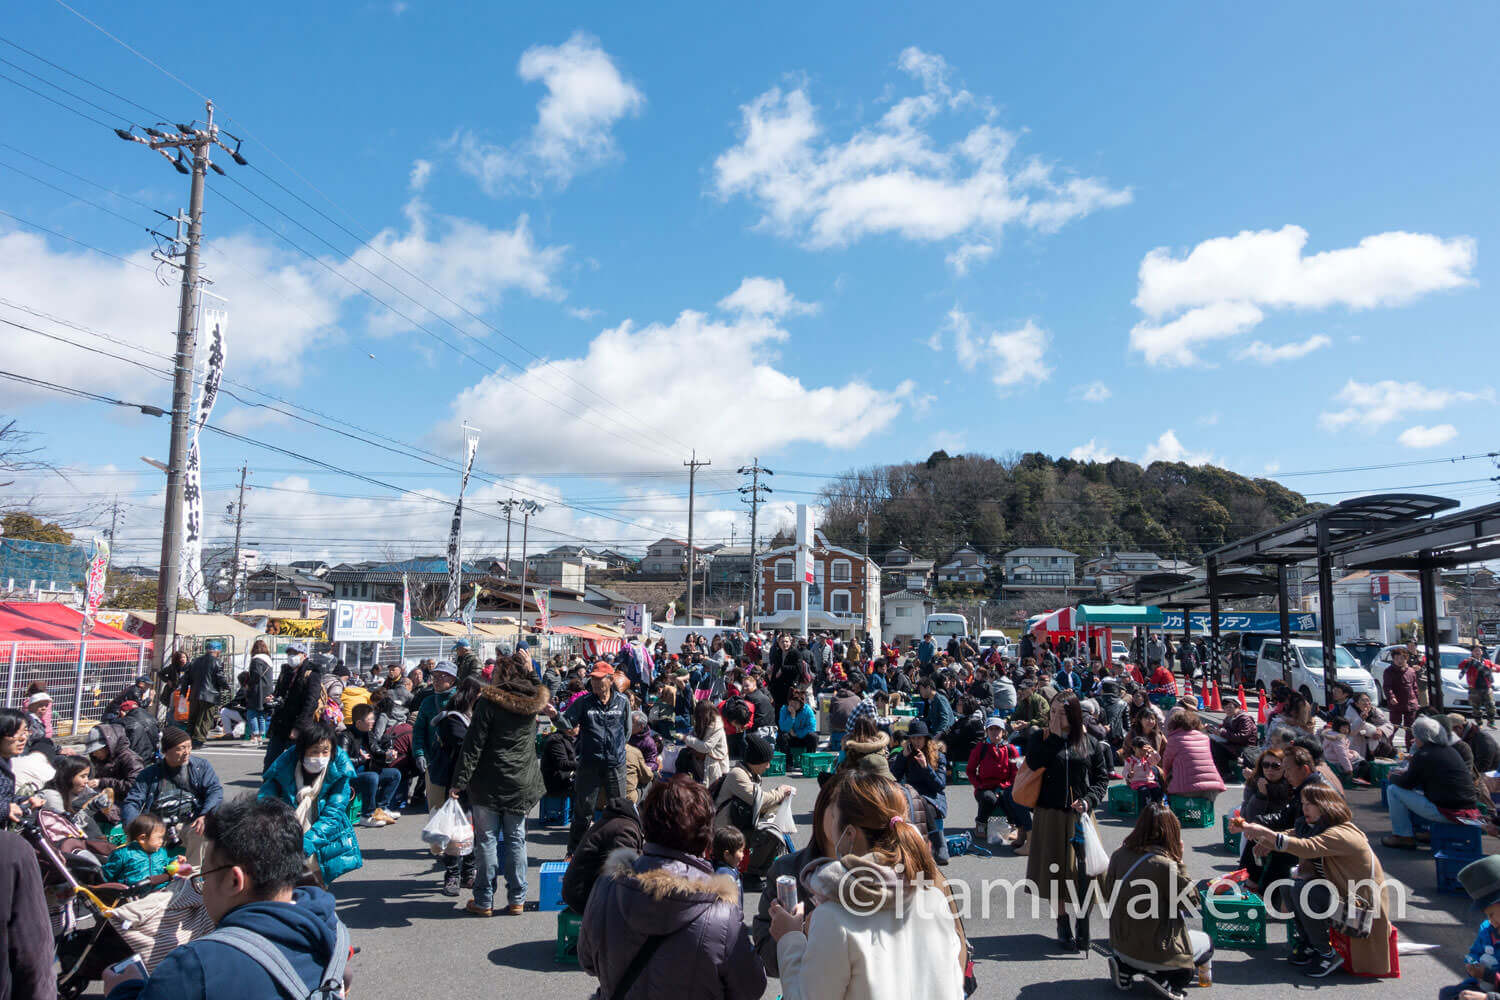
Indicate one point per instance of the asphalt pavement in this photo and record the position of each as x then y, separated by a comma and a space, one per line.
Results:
412, 938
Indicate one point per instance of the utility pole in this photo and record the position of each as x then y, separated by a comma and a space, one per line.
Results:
752, 495
693, 465
528, 507
183, 139
114, 519
239, 523
509, 506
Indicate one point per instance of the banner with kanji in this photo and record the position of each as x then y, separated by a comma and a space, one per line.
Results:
543, 609
405, 606
191, 584
93, 588
455, 531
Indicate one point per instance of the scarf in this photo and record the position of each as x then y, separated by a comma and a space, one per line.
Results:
307, 797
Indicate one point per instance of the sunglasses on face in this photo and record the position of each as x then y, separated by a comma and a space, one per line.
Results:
1273, 767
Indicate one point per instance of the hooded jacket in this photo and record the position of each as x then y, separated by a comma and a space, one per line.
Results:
143, 732
743, 803
330, 838
869, 756
498, 765
262, 687
706, 952
304, 930
119, 771
559, 763
619, 827
1189, 763
875, 950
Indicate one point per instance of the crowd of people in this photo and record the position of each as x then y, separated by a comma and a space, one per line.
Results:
661, 759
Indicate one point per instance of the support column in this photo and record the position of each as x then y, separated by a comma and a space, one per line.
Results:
1212, 667
1325, 615
1433, 674
1286, 625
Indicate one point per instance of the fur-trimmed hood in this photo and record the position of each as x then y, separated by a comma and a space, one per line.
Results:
662, 890
522, 697
863, 748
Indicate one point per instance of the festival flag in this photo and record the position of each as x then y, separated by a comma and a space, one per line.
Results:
93, 591
455, 532
405, 607
543, 609
470, 608
191, 584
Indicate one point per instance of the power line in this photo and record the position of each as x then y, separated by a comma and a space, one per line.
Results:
63, 236
63, 69
132, 50
49, 97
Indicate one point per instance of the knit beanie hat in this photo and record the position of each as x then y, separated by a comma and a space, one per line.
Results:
758, 749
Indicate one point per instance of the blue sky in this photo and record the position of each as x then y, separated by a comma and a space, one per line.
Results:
822, 235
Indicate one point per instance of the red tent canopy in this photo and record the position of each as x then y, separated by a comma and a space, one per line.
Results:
21, 621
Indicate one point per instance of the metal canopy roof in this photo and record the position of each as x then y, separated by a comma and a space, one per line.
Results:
1455, 540
1231, 584
1155, 583
1359, 517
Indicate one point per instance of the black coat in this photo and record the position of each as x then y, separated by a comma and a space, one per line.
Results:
262, 683
1072, 772
304, 697
25, 936
559, 762
618, 827
143, 732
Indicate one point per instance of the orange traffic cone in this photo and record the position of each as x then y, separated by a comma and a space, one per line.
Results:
1208, 695
1218, 698
1260, 715
1243, 703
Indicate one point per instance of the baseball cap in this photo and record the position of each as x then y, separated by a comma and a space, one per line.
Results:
445, 667
994, 722
602, 669
461, 643
297, 647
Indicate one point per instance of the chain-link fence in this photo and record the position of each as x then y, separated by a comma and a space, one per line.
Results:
82, 677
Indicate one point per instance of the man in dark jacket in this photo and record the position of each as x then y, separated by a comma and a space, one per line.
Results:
1436, 784
138, 692
300, 704
111, 761
141, 729
254, 859
619, 826
444, 677
209, 685
1481, 744
603, 720
182, 790
939, 712
464, 659
25, 937
499, 771
786, 671
560, 759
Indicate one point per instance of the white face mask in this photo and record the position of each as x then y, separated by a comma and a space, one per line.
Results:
314, 765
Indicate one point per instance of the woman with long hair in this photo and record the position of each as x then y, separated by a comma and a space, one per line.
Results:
1270, 801
260, 692
709, 742
886, 924
1073, 784
923, 766
1337, 870
1147, 936
1145, 721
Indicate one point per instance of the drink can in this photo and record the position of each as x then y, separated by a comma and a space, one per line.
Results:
786, 892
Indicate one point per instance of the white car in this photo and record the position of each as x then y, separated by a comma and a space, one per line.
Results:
992, 637
1307, 669
1455, 690
1119, 651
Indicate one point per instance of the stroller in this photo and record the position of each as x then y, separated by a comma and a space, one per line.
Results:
80, 904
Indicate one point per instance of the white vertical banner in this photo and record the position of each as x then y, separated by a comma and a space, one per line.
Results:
191, 584
93, 589
405, 607
455, 533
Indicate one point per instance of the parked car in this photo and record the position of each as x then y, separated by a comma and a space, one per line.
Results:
1119, 651
992, 637
1455, 690
1249, 643
1307, 669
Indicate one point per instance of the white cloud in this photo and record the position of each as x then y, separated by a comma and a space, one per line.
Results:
1267, 355
1168, 449
765, 297
586, 97
1371, 405
967, 255
673, 378
1427, 437
1013, 357
421, 173
1272, 468
584, 313
1092, 451
895, 176
1220, 287
1094, 392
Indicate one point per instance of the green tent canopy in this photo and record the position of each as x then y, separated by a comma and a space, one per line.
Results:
1118, 614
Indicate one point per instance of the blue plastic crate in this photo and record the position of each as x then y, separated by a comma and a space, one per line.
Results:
550, 882
1448, 867
555, 810
1457, 840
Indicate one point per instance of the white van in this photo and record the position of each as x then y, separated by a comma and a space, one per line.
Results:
943, 627
1307, 669
992, 637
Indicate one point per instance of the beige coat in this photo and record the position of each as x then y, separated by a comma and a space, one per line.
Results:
714, 749
1348, 860
1157, 941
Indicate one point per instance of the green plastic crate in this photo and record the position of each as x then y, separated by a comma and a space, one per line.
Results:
814, 764
1231, 839
960, 773
778, 766
1193, 812
1235, 921
910, 713
568, 924
794, 759
1380, 770
354, 807
1122, 800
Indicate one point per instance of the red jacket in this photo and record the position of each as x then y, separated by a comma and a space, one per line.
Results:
1162, 682
1471, 667
993, 766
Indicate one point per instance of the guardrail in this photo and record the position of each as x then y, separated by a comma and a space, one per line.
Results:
82, 677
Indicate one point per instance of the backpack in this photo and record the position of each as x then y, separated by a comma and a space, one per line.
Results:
288, 982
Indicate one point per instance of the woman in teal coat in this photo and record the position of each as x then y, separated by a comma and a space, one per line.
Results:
314, 777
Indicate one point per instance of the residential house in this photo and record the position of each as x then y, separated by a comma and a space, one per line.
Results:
669, 556
558, 571
617, 560
605, 598
904, 616
1041, 566
730, 572
1357, 613
282, 588
844, 597
966, 565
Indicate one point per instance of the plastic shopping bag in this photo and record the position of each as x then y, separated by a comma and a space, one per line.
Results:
1095, 860
668, 762
995, 831
781, 821
448, 831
